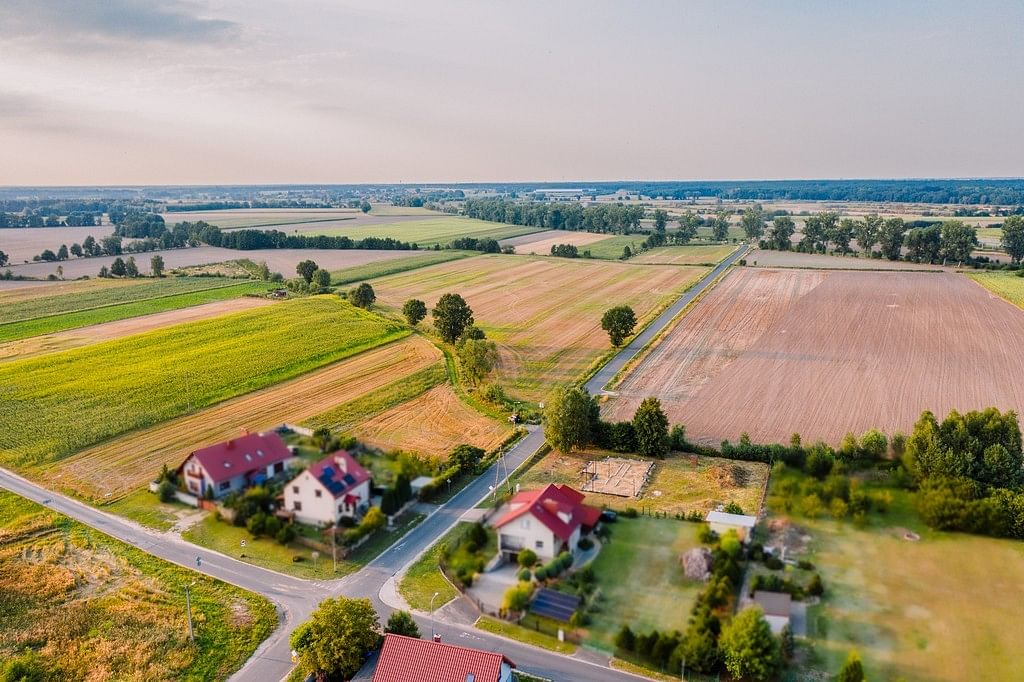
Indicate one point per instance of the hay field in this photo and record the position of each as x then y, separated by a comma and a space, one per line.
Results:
820, 261
118, 466
821, 353
540, 243
544, 313
430, 231
1005, 285
93, 608
691, 254
54, 405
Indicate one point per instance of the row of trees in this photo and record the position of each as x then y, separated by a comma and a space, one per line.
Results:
38, 219
613, 218
247, 240
572, 421
129, 268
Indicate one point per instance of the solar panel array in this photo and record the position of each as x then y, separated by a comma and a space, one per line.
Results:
555, 605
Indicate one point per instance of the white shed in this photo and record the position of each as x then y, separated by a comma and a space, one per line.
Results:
722, 523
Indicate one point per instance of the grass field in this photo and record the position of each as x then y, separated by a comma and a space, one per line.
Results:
934, 609
547, 325
675, 485
424, 577
434, 230
361, 273
115, 467
1005, 285
611, 248
262, 217
72, 287
93, 608
685, 255
526, 635
141, 300
58, 404
641, 580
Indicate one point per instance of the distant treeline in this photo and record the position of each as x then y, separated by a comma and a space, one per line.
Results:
247, 240
558, 216
229, 205
41, 219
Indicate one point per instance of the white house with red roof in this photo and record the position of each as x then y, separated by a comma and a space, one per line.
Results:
334, 487
548, 521
235, 464
407, 659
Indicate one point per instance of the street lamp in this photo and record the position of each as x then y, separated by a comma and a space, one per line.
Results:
188, 608
436, 595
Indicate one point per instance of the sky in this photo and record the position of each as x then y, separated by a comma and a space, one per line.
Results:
114, 92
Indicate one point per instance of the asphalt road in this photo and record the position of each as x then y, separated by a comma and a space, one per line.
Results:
296, 598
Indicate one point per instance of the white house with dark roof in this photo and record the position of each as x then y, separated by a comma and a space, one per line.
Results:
236, 464
334, 487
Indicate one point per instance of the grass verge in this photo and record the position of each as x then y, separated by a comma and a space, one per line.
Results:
521, 634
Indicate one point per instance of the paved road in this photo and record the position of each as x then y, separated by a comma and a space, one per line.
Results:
296, 598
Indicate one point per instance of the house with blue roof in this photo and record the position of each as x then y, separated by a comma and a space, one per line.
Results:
334, 487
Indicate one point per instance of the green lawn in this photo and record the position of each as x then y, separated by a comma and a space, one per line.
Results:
95, 608
640, 579
424, 577
62, 312
143, 506
433, 230
1005, 285
518, 632
361, 273
691, 254
54, 405
611, 248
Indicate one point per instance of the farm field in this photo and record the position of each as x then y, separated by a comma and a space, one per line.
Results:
819, 261
674, 486
115, 467
823, 353
58, 404
641, 580
95, 608
105, 331
691, 254
260, 217
931, 609
22, 243
540, 243
1005, 285
360, 273
610, 248
26, 290
430, 231
547, 327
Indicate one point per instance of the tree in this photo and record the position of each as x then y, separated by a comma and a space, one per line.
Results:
89, 245
868, 232
365, 206
62, 252
401, 623
753, 223
924, 244
117, 268
619, 322
688, 224
958, 241
660, 219
651, 428
1013, 238
527, 558
111, 245
477, 358
3, 259
852, 670
322, 278
131, 268
780, 234
466, 457
750, 649
156, 265
517, 597
335, 640
104, 272
414, 310
567, 419
787, 643
625, 640
451, 317
305, 269
362, 296
720, 225
47, 255
890, 238
323, 438
842, 233
263, 271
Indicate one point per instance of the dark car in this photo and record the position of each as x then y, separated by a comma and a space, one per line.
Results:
609, 516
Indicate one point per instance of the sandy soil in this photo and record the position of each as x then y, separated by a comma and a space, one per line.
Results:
432, 424
540, 243
794, 259
49, 343
130, 461
279, 260
823, 353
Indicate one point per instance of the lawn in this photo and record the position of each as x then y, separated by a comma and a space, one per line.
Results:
675, 486
268, 553
143, 506
361, 273
640, 579
433, 230
525, 635
61, 313
1005, 285
57, 404
932, 609
691, 254
424, 577
611, 248
91, 607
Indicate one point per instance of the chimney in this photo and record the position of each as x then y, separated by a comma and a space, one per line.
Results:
342, 463
245, 431
437, 638
231, 444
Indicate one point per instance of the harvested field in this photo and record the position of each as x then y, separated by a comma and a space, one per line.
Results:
261, 217
430, 231
819, 261
540, 243
22, 243
431, 424
545, 321
123, 464
823, 353
27, 290
691, 254
106, 331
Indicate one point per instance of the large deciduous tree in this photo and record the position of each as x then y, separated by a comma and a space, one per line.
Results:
890, 238
567, 419
958, 241
335, 640
1013, 237
477, 358
650, 425
780, 234
451, 317
362, 296
750, 649
414, 310
688, 224
720, 225
619, 322
753, 223
401, 623
868, 232
305, 269
156, 265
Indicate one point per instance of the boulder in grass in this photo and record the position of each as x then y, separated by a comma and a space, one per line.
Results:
697, 563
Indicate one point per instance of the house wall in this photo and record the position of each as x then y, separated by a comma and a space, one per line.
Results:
198, 486
527, 532
323, 509
723, 528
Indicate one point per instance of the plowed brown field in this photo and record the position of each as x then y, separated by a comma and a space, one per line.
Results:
128, 462
544, 313
823, 353
433, 424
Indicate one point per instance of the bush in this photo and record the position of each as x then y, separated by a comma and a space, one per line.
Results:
585, 544
774, 563
815, 588
527, 558
256, 524
706, 536
525, 575
165, 491
517, 597
285, 534
630, 513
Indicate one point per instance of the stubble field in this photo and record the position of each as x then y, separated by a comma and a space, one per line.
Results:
431, 231
540, 243
823, 353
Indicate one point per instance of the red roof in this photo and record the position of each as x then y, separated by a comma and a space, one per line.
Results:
552, 506
406, 658
339, 473
242, 455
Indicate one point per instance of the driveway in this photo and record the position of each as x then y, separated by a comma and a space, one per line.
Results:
489, 588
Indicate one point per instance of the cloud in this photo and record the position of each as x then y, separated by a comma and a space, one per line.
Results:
33, 113
102, 23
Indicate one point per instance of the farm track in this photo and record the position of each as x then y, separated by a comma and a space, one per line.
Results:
123, 464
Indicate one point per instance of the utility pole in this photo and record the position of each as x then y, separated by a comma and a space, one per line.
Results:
188, 608
334, 547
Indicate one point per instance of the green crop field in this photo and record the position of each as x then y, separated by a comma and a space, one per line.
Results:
133, 302
1005, 285
432, 231
690, 254
611, 248
82, 605
361, 273
54, 405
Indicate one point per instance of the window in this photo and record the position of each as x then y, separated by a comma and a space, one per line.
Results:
318, 493
279, 467
295, 489
225, 485
525, 523
298, 506
540, 544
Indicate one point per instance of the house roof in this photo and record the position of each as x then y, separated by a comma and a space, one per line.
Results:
339, 473
741, 520
558, 507
407, 658
242, 455
773, 603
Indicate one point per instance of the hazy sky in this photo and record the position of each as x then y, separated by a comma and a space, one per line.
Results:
241, 91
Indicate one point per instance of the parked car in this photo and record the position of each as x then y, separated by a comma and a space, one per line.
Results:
609, 516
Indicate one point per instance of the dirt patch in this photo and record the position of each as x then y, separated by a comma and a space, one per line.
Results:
616, 476
786, 539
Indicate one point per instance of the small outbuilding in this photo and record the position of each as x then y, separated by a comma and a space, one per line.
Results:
418, 484
777, 607
722, 523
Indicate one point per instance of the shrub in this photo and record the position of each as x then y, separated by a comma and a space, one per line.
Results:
585, 544
525, 575
517, 597
805, 565
815, 588
774, 563
811, 506
165, 491
630, 513
706, 536
838, 509
527, 558
733, 508
285, 534
541, 574
256, 524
